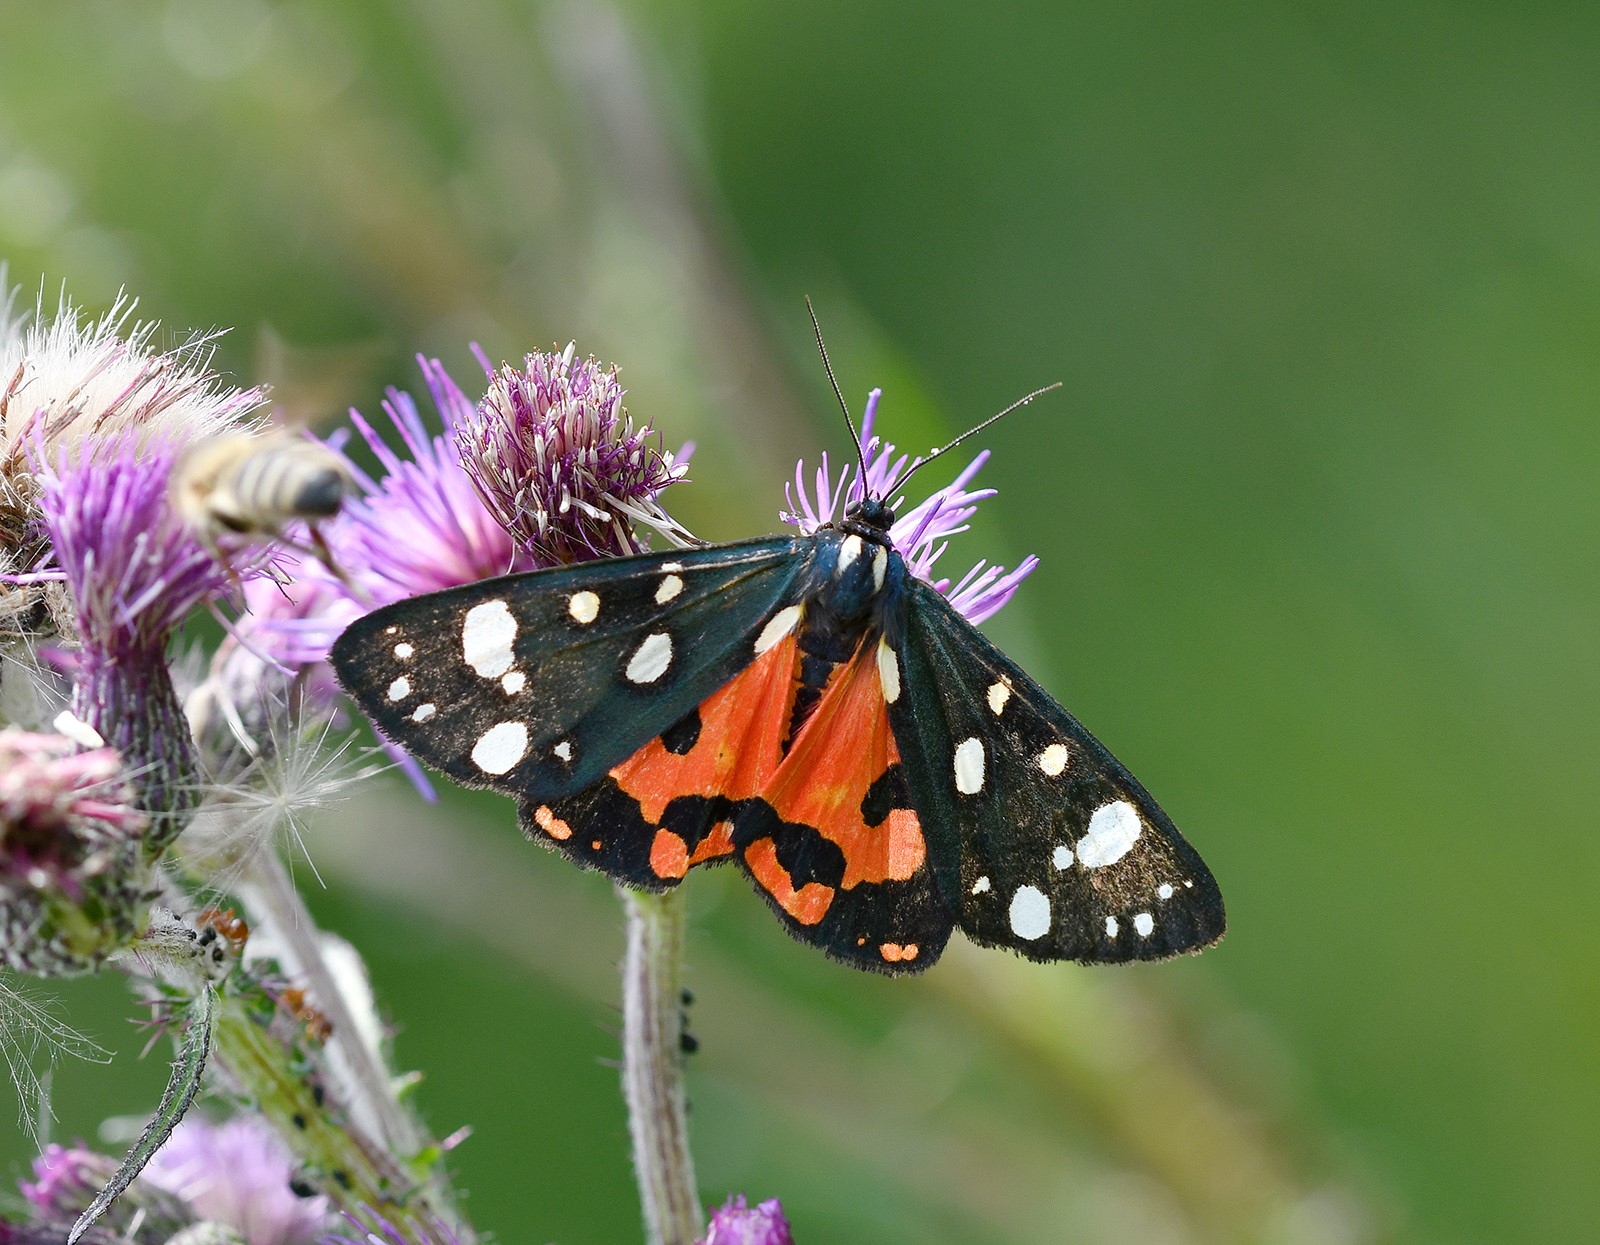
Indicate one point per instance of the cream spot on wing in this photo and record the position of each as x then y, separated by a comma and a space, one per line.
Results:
390, 630
424, 711
999, 693
403, 651
1061, 858
1111, 927
1164, 891
1053, 760
880, 566
1113, 830
1030, 913
500, 747
487, 633
888, 672
584, 607
849, 551
672, 566
651, 659
563, 750
670, 587
514, 682
1144, 924
400, 688
778, 626
969, 766
981, 885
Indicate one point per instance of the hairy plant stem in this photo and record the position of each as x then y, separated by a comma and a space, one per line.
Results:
275, 908
368, 1088
652, 1066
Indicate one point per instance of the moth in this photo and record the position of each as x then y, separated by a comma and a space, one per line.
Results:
806, 708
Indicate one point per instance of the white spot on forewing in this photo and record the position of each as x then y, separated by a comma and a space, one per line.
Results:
584, 607
1061, 858
969, 766
981, 885
1053, 760
670, 587
999, 693
672, 566
487, 633
500, 747
1030, 913
400, 688
651, 659
514, 682
1111, 927
1113, 830
849, 551
880, 566
423, 712
778, 626
1164, 891
888, 672
403, 651
1144, 924
563, 750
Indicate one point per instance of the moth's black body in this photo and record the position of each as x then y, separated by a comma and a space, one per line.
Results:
1054, 854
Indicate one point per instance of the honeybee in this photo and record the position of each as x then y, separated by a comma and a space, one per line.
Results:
243, 484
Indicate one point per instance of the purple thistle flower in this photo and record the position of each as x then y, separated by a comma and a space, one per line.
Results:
423, 527
738, 1223
238, 1174
68, 1178
135, 572
73, 888
557, 460
922, 533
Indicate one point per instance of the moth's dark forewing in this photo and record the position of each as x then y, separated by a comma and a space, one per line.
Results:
1063, 855
573, 689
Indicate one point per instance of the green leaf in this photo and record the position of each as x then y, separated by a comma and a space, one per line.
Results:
180, 1092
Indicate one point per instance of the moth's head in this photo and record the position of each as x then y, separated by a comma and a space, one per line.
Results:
871, 516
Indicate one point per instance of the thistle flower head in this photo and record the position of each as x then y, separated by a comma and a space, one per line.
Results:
920, 534
68, 1178
557, 460
66, 383
134, 569
72, 888
739, 1223
422, 526
237, 1174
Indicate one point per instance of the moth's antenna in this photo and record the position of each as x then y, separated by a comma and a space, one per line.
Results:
972, 432
861, 453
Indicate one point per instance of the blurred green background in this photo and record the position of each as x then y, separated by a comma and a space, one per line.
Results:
1316, 508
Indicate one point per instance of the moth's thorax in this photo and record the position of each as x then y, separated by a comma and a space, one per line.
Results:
852, 571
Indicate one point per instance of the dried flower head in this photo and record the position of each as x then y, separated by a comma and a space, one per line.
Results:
73, 887
66, 383
557, 460
922, 533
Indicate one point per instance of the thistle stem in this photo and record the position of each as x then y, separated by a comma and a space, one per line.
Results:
652, 1066
275, 906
